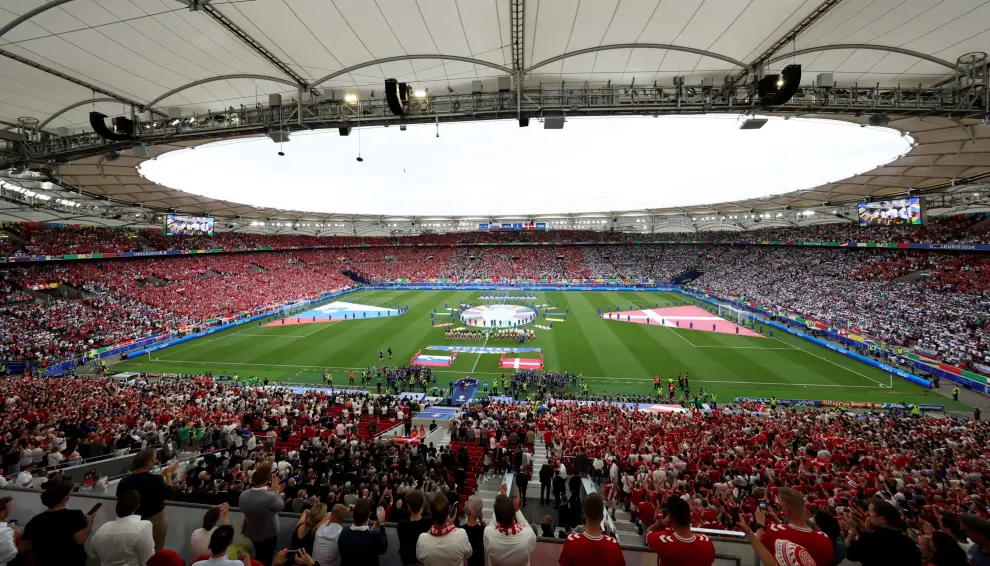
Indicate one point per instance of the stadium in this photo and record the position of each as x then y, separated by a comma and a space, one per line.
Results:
684, 269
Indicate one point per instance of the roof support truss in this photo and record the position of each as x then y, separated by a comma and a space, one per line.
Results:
790, 36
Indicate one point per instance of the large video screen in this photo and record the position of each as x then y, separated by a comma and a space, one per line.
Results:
176, 225
891, 212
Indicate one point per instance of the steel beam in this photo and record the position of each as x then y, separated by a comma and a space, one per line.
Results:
219, 78
384, 60
517, 33
117, 97
868, 47
791, 35
30, 14
249, 41
662, 46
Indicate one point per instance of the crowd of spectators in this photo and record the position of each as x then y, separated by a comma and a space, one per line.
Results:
873, 488
54, 239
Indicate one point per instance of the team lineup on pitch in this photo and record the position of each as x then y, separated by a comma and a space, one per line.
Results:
637, 336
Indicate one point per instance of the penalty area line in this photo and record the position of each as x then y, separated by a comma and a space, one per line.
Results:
882, 385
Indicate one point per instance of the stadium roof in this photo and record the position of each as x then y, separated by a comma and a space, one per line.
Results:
56, 58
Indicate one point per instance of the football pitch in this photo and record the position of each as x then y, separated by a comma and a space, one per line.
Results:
614, 357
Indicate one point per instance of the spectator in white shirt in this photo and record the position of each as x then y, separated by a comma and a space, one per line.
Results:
8, 532
444, 544
54, 456
325, 550
219, 542
24, 477
199, 541
510, 541
126, 541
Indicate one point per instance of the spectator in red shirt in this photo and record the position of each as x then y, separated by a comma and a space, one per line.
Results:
592, 547
796, 529
674, 541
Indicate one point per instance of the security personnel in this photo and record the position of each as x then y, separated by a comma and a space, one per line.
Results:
955, 393
714, 401
843, 408
916, 411
585, 390
773, 403
656, 382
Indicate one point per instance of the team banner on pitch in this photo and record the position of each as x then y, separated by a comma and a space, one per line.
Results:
481, 349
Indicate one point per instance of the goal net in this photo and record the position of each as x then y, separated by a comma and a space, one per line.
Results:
735, 315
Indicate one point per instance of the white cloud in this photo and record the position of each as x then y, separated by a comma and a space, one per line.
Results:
497, 168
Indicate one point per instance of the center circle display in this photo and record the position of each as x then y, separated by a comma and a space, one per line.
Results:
498, 316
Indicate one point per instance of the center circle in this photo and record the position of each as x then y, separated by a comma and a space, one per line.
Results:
498, 316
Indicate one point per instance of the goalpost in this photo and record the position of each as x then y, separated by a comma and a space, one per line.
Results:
735, 315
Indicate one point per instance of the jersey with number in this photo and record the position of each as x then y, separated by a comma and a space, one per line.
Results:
817, 543
583, 550
673, 550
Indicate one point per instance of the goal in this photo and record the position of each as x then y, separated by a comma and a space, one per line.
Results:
735, 315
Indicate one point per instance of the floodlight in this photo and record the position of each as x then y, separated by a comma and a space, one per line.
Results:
350, 98
419, 94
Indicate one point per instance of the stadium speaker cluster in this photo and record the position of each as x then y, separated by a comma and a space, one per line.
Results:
397, 97
123, 128
775, 90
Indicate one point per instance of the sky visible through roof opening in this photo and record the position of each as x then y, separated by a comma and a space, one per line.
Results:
498, 168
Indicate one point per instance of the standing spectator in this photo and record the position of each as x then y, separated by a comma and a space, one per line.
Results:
592, 547
522, 481
475, 529
261, 505
8, 532
510, 541
796, 529
673, 540
153, 490
220, 541
409, 530
57, 535
304, 534
785, 552
325, 550
361, 545
882, 542
978, 531
199, 541
546, 479
126, 541
444, 544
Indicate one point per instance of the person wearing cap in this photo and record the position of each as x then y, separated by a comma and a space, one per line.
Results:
57, 536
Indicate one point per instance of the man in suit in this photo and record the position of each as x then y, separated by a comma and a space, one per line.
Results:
361, 545
261, 505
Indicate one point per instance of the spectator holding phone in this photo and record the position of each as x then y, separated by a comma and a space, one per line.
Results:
56, 536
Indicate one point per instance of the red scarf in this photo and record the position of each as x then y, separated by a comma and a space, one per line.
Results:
513, 529
434, 531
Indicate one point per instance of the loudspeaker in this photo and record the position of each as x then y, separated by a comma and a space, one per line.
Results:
524, 122
784, 86
141, 151
345, 131
123, 126
553, 123
101, 129
397, 97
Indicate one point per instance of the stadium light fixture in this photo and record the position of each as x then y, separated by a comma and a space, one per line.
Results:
419, 94
350, 98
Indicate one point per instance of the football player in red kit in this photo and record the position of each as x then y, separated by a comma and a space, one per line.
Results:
673, 540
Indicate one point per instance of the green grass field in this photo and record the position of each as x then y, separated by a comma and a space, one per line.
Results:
614, 357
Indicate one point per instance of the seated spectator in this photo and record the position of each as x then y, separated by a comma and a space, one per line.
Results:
127, 540
56, 536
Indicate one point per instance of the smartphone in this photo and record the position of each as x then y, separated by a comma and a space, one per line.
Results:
95, 509
379, 510
763, 504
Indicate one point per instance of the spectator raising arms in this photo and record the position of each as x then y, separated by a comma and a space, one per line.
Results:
673, 540
362, 544
444, 544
